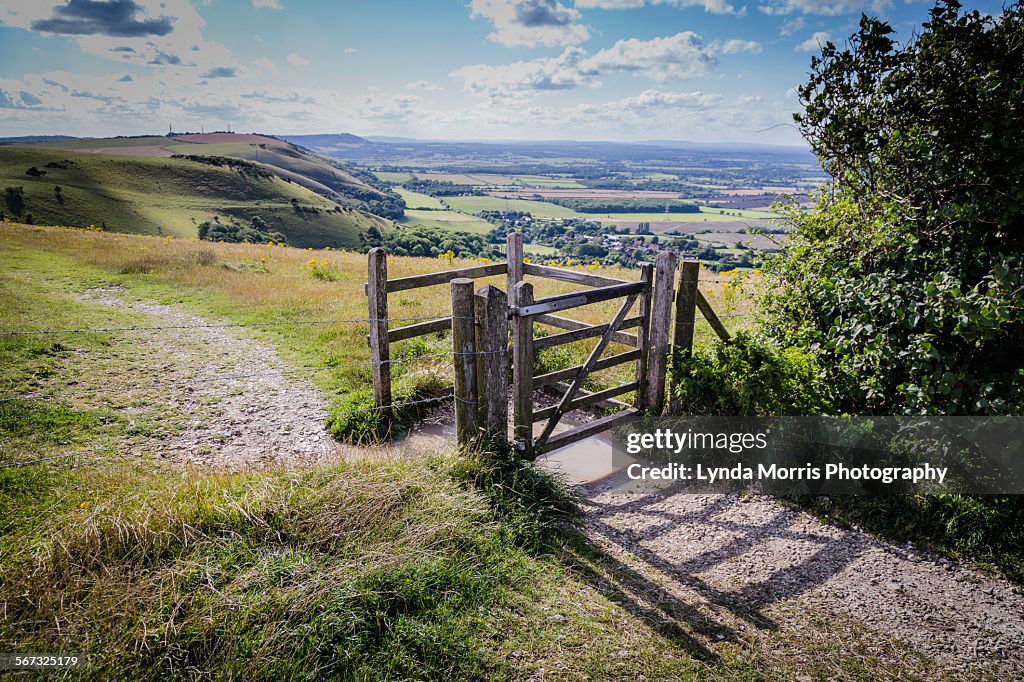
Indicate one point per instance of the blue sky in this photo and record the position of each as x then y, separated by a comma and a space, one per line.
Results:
703, 70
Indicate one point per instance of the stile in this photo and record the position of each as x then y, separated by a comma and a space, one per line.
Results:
492, 361
661, 319
380, 355
564, 275
464, 350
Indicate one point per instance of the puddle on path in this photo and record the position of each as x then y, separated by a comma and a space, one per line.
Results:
588, 461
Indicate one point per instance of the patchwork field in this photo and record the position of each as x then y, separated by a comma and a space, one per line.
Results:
538, 208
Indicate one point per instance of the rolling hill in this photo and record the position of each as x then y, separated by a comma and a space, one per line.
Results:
169, 185
149, 194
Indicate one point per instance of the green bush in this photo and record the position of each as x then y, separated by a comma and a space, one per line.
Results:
748, 376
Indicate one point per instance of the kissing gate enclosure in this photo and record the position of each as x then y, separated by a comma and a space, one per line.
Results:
483, 322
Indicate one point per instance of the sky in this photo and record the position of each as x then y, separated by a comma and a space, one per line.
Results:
622, 70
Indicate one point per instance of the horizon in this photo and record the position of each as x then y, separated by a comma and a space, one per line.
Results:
490, 70
389, 139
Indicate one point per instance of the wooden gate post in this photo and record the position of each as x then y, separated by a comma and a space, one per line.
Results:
643, 335
380, 354
522, 370
492, 361
686, 305
464, 349
514, 258
661, 320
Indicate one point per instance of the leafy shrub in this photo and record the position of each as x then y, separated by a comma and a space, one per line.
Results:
748, 376
254, 233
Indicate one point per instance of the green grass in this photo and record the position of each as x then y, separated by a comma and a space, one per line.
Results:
416, 200
167, 196
540, 209
395, 178
447, 220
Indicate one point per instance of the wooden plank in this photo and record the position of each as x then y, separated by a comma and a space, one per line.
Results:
522, 371
570, 275
560, 440
492, 361
579, 298
464, 351
513, 260
712, 318
588, 366
661, 320
413, 330
585, 400
590, 332
435, 278
603, 363
380, 353
573, 325
606, 404
686, 306
643, 334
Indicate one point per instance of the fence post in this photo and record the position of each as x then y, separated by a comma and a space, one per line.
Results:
522, 370
492, 361
643, 334
686, 305
380, 354
661, 319
514, 258
464, 350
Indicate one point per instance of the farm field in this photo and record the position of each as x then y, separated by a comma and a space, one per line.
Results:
415, 200
537, 208
446, 220
392, 177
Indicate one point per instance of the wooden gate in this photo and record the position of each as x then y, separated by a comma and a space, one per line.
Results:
646, 307
480, 322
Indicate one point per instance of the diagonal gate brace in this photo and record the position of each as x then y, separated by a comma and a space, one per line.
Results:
587, 367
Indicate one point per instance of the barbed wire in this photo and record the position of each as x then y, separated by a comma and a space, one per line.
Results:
228, 325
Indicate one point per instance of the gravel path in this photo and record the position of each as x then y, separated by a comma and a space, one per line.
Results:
260, 418
756, 570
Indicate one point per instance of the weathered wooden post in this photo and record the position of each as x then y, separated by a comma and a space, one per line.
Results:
522, 370
492, 361
643, 335
686, 305
380, 355
514, 258
661, 320
464, 349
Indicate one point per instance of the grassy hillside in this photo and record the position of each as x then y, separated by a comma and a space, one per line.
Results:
166, 196
441, 567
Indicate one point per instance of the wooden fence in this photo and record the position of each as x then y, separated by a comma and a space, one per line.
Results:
482, 320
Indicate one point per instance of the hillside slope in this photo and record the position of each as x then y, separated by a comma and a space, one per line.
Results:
153, 194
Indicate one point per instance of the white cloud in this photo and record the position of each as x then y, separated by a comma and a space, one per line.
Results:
425, 86
712, 6
266, 4
676, 57
350, 50
673, 58
735, 46
815, 42
791, 26
531, 23
829, 8
163, 33
297, 60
